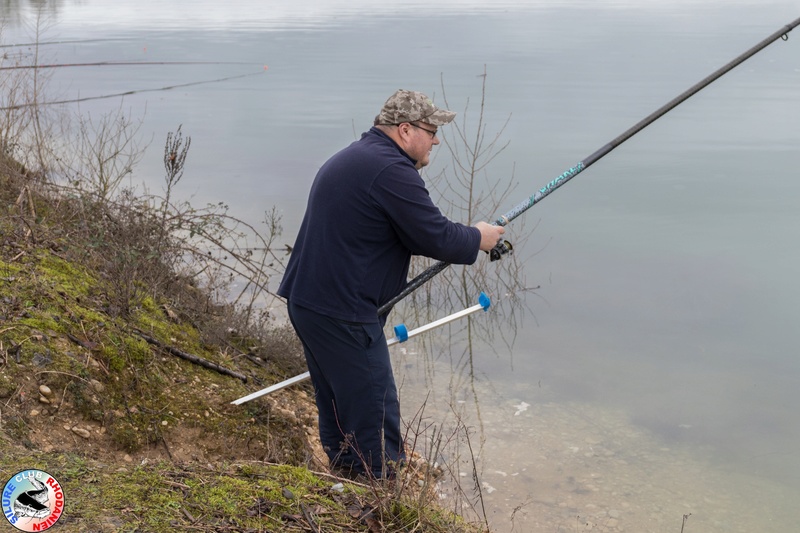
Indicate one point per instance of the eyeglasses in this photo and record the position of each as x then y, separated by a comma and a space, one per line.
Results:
433, 133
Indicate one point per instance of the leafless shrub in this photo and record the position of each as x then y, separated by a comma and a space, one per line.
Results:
143, 244
150, 245
105, 151
13, 120
466, 193
216, 248
421, 483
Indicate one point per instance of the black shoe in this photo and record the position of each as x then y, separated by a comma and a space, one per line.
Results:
347, 472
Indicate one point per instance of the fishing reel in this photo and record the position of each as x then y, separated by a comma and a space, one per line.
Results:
499, 250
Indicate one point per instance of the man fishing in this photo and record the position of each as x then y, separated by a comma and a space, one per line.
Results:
368, 212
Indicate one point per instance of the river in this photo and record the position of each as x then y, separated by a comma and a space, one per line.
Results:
654, 377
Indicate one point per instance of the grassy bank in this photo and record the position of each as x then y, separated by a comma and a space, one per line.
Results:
116, 377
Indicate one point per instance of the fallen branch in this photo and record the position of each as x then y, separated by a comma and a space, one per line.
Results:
255, 360
192, 358
310, 518
83, 344
166, 446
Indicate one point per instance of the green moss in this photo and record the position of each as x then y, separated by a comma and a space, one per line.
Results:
89, 317
156, 325
16, 428
44, 322
125, 436
149, 305
155, 497
123, 350
68, 277
8, 271
7, 385
136, 350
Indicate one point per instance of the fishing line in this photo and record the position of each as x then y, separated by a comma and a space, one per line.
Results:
124, 63
504, 247
46, 43
126, 93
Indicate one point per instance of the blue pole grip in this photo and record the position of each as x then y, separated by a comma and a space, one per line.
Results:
401, 332
485, 301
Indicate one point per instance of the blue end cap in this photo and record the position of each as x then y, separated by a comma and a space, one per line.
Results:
401, 333
485, 301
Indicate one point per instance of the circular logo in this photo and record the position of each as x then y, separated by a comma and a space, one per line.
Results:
32, 500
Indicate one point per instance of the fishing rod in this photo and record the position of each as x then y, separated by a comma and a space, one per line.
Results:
401, 335
504, 247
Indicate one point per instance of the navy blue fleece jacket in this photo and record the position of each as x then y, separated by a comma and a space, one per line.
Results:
368, 212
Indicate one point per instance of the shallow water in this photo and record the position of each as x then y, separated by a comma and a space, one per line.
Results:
556, 466
658, 357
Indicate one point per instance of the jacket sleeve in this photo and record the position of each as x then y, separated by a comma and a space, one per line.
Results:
420, 225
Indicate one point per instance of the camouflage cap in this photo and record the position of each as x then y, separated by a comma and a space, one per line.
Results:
412, 106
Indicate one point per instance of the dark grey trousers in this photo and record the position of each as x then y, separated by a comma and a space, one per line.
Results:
355, 392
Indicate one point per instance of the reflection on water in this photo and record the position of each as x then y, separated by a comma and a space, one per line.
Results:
243, 15
246, 15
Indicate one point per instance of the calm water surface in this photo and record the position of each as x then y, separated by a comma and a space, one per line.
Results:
657, 373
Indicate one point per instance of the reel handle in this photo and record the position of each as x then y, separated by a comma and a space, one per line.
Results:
500, 249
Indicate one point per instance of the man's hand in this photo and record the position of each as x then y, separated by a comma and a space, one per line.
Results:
490, 235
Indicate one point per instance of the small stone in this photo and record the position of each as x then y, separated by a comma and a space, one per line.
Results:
613, 513
338, 487
96, 385
41, 360
81, 432
612, 522
112, 523
33, 413
127, 458
289, 495
164, 423
42, 399
45, 391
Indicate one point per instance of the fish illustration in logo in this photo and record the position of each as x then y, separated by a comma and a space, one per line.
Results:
33, 503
